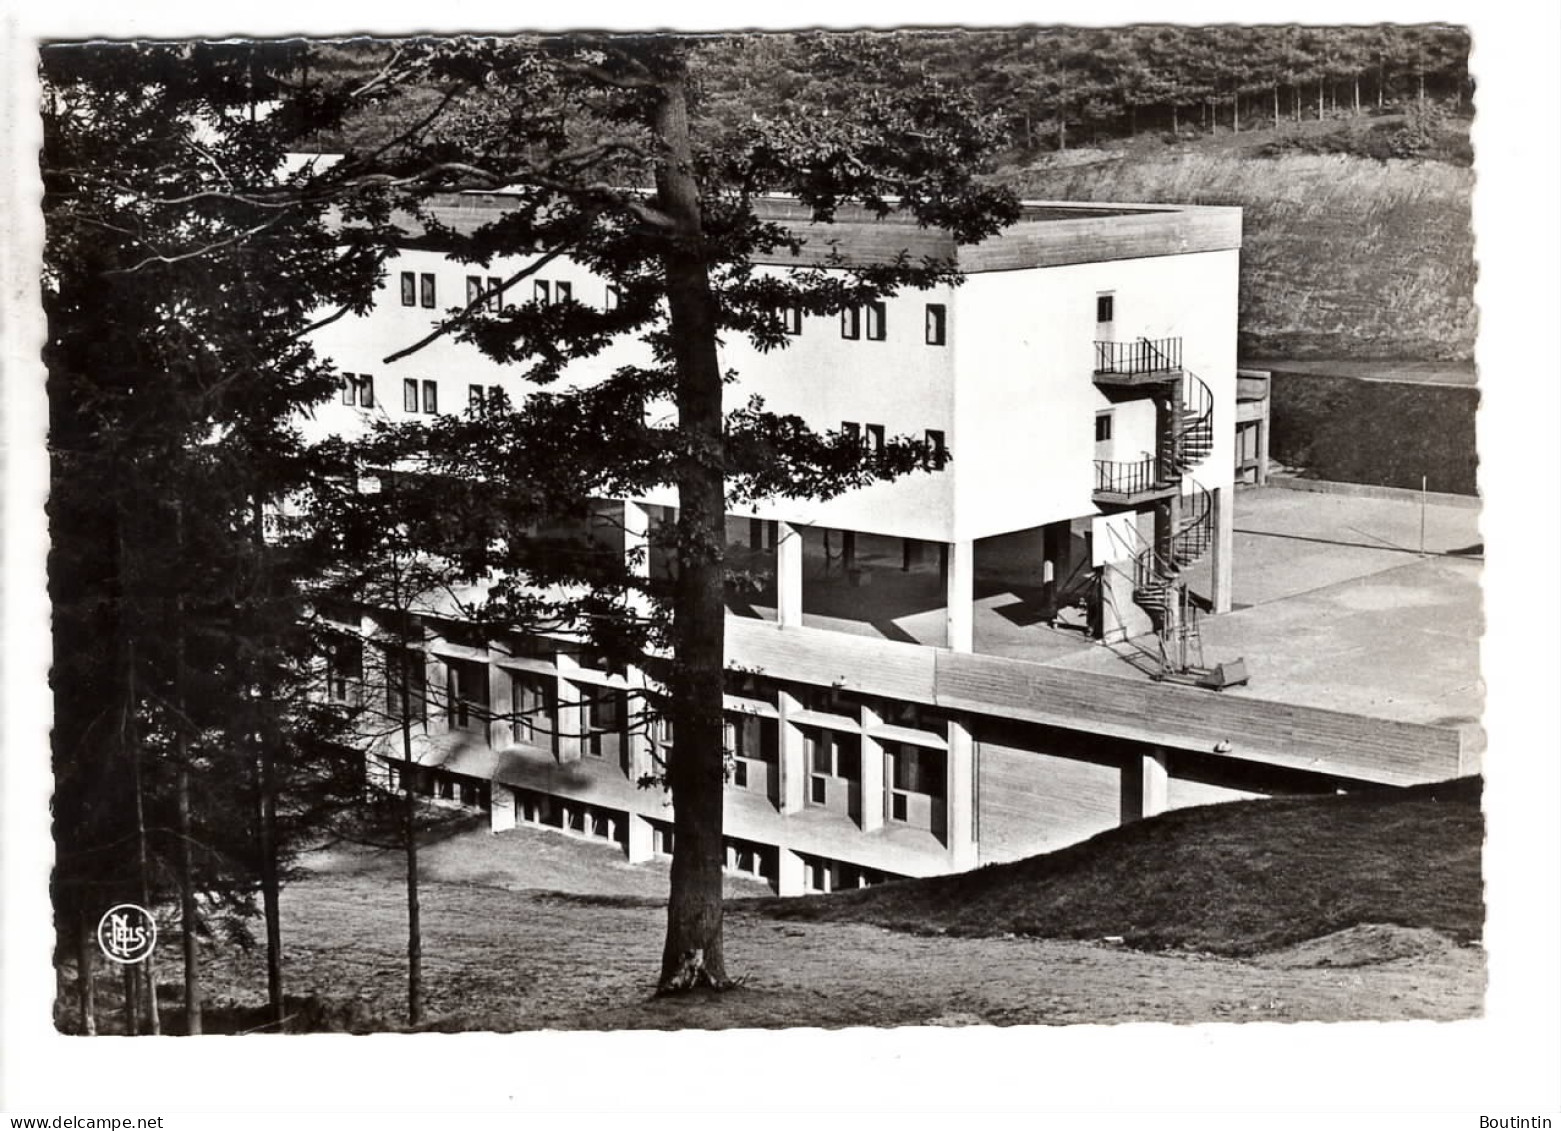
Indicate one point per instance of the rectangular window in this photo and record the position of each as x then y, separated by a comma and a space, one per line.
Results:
851, 322
937, 324
542, 291
430, 396
428, 291
875, 441
474, 396
366, 390
937, 451
495, 295
820, 791
408, 289
563, 292
740, 774
349, 389
409, 395
1102, 427
614, 298
877, 322
473, 289
495, 397
791, 319
852, 431
1105, 308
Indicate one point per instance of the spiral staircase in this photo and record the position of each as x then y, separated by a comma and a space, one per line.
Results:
1159, 587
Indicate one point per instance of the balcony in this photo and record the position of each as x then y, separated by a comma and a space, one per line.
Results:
1127, 365
1128, 484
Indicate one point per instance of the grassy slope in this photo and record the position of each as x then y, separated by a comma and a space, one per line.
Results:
1235, 879
1342, 256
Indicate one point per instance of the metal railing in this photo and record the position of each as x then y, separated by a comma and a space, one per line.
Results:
1141, 356
1148, 474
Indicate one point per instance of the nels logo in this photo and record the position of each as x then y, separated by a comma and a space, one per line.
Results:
127, 933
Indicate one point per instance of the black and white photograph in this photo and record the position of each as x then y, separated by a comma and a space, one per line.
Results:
864, 536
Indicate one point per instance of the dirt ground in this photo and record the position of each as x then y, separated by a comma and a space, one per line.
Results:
533, 930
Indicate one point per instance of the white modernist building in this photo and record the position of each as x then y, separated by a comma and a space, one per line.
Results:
900, 701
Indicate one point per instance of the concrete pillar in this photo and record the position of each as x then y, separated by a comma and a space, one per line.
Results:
847, 549
872, 784
500, 706
637, 761
789, 875
1145, 784
960, 596
641, 839
1224, 519
960, 796
501, 810
636, 539
793, 766
788, 574
571, 711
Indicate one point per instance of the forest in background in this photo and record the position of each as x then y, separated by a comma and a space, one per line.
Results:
1346, 147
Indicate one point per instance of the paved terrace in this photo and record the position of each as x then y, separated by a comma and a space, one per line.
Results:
1334, 606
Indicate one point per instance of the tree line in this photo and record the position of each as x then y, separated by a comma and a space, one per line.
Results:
1054, 86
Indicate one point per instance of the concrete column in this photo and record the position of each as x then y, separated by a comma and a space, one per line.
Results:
1145, 784
571, 712
789, 874
788, 574
1224, 519
793, 758
872, 784
641, 839
638, 761
960, 796
636, 538
501, 810
500, 704
960, 595
847, 549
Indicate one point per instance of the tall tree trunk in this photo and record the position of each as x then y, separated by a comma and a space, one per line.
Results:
1276, 105
132, 986
1175, 124
1422, 87
693, 954
153, 1013
86, 990
1320, 112
188, 912
1382, 80
188, 915
1235, 111
270, 880
409, 831
1357, 95
265, 780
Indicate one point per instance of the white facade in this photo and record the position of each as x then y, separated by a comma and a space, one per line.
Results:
1008, 370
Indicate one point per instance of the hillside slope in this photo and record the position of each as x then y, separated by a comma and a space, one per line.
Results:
1236, 879
1342, 256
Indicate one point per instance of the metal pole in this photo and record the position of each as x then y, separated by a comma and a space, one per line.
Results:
1422, 516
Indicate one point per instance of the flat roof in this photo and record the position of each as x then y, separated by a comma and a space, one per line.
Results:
1047, 234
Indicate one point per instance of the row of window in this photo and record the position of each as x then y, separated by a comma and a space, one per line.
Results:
872, 321
871, 317
423, 290
872, 437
